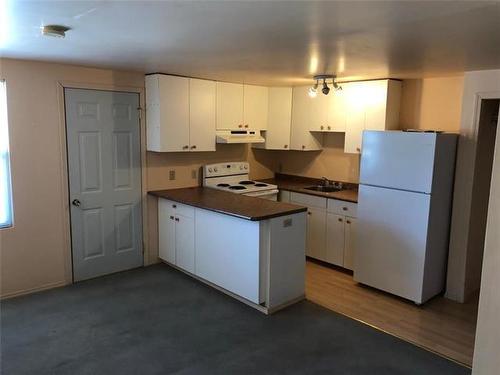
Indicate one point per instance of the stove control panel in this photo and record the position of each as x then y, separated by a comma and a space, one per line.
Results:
226, 169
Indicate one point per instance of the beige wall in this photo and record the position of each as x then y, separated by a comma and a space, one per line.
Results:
432, 103
35, 253
486, 358
331, 162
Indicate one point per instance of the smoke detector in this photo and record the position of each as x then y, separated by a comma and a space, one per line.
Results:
57, 31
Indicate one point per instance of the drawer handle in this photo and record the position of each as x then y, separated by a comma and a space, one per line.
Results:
344, 208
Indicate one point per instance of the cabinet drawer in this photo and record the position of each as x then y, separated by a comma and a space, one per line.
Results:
342, 208
180, 208
308, 200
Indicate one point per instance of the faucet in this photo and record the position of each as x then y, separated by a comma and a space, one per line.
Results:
325, 181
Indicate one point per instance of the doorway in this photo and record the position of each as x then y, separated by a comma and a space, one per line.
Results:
485, 150
104, 169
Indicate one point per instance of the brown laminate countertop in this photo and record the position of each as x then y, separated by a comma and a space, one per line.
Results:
241, 206
299, 183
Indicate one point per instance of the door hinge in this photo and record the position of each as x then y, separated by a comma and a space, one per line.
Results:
140, 112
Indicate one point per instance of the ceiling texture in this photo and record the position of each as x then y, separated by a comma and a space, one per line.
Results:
262, 42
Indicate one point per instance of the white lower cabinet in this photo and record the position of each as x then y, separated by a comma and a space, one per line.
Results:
350, 228
331, 233
176, 234
335, 239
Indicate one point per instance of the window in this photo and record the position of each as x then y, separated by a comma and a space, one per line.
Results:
5, 188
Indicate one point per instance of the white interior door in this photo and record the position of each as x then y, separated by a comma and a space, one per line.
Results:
103, 138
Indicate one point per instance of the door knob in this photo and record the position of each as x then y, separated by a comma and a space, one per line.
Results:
76, 203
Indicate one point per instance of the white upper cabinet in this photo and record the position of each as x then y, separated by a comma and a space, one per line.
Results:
336, 114
255, 107
279, 119
180, 114
307, 113
371, 105
202, 97
167, 113
229, 106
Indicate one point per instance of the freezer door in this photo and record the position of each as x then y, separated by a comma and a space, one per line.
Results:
398, 160
391, 242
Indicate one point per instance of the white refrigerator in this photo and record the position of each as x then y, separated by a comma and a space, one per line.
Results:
404, 210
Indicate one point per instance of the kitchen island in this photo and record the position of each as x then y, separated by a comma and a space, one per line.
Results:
250, 248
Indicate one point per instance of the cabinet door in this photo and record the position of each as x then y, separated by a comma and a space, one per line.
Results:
350, 242
166, 230
337, 112
174, 113
355, 119
335, 239
255, 107
316, 236
306, 115
184, 242
279, 120
229, 106
202, 96
375, 94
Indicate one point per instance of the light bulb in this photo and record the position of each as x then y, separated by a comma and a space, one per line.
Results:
312, 92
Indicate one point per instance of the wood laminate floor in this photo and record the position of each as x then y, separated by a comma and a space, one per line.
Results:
440, 325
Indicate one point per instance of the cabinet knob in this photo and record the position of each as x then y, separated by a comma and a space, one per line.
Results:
309, 212
240, 126
285, 146
176, 219
246, 125
344, 208
340, 219
329, 128
303, 147
322, 127
171, 218
185, 147
358, 149
348, 221
193, 147
174, 206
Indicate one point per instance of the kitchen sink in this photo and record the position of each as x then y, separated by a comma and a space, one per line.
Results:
325, 189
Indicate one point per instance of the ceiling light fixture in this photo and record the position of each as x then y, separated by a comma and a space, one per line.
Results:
57, 31
325, 90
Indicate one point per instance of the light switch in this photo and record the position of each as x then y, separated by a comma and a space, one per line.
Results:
171, 175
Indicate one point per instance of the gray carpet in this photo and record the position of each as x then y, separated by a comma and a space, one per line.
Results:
156, 320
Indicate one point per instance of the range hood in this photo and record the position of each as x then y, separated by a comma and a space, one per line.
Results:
239, 136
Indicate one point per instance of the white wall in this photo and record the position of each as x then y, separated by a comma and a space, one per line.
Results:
477, 85
486, 352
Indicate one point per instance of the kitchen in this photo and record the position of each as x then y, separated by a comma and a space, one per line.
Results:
198, 120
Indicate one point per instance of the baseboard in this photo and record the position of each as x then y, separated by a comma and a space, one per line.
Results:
33, 290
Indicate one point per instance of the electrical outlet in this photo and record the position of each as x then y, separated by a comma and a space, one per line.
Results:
171, 175
194, 174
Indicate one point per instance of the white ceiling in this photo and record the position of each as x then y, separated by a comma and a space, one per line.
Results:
274, 42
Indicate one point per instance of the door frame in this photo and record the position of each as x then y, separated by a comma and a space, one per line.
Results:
476, 89
61, 86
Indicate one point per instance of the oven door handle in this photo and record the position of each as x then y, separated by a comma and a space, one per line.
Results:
263, 193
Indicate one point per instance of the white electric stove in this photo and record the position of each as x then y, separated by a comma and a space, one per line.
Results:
233, 177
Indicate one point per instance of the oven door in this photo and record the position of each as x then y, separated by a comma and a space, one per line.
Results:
265, 194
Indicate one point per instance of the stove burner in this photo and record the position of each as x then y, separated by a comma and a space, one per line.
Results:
223, 185
246, 182
237, 187
260, 185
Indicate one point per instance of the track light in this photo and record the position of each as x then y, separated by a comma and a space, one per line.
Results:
312, 92
325, 90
